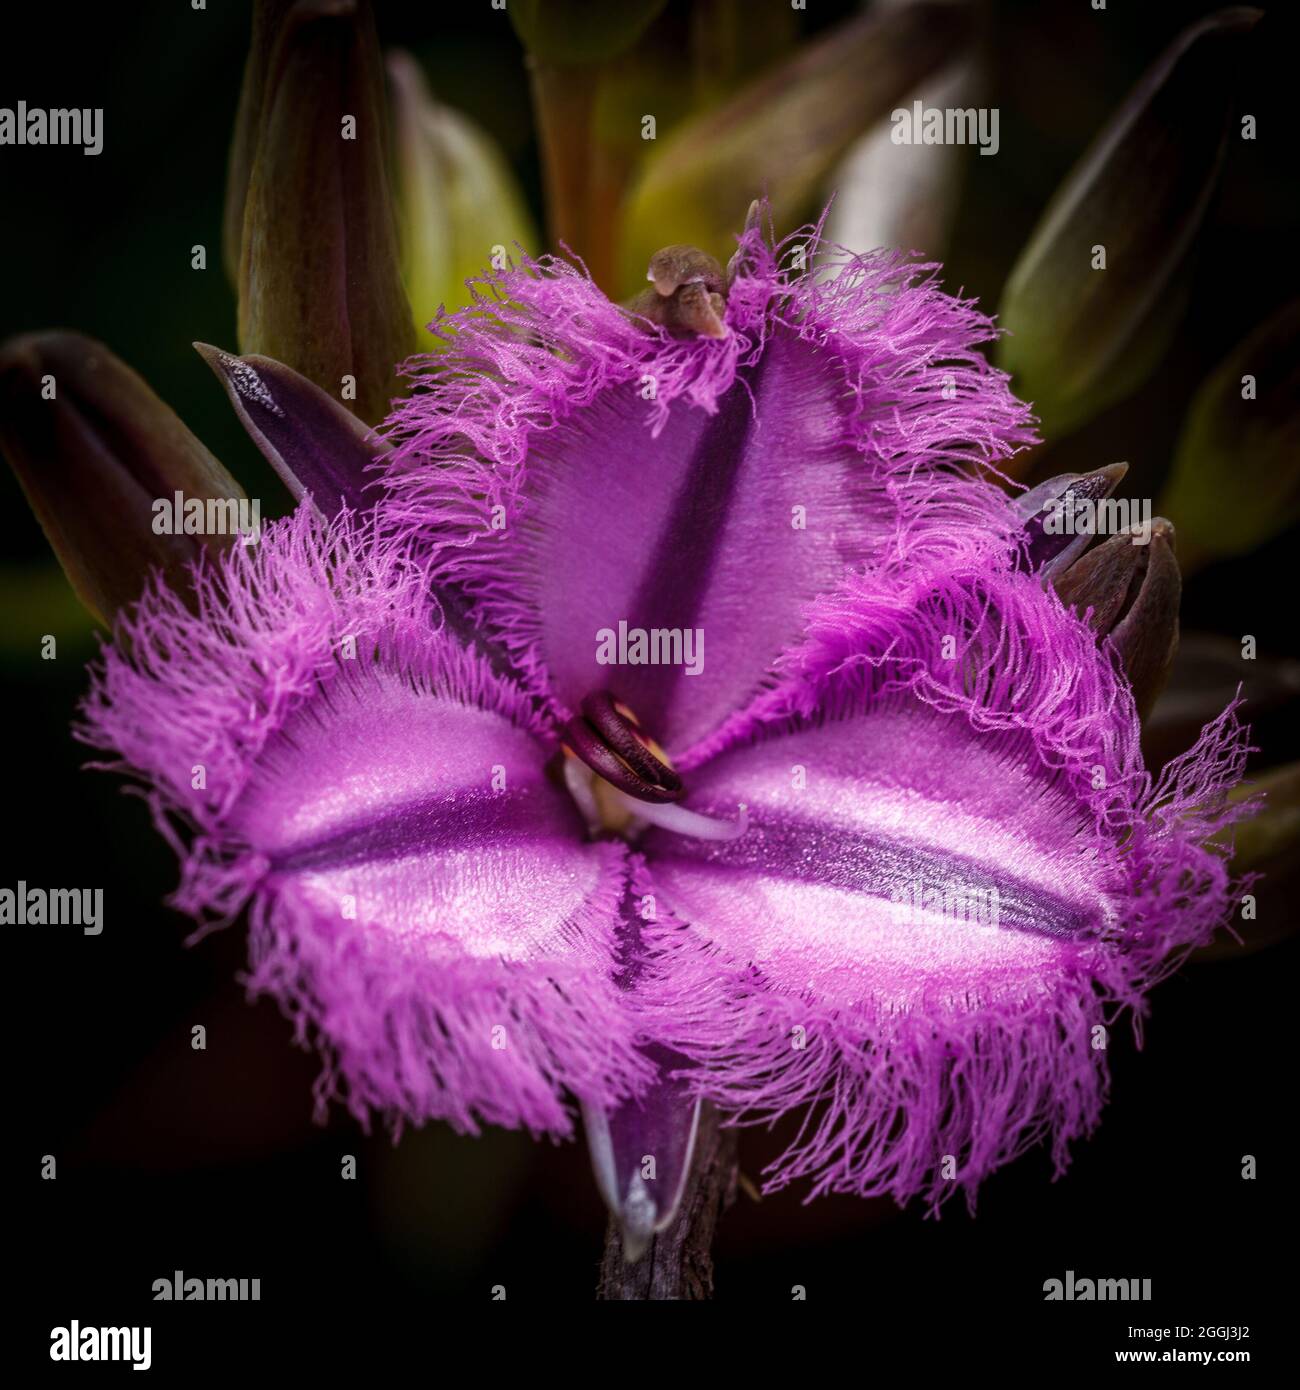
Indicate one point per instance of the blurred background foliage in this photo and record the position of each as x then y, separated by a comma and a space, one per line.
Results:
219, 1145
747, 98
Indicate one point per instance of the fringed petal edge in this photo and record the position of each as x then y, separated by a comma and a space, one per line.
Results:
924, 1105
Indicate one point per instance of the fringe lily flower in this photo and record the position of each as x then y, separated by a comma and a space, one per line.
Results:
691, 719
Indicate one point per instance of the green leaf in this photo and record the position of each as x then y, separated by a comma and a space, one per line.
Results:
1236, 477
1081, 337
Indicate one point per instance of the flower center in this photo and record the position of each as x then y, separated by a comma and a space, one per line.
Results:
633, 782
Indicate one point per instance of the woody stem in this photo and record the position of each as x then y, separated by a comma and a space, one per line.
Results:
679, 1263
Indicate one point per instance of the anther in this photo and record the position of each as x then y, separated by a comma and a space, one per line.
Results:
604, 736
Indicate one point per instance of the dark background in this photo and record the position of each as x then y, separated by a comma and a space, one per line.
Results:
209, 1162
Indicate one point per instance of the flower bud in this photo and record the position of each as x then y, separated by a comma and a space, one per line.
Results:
460, 207
95, 450
319, 282
785, 131
1236, 477
1131, 593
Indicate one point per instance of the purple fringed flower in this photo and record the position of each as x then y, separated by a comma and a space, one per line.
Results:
890, 853
569, 469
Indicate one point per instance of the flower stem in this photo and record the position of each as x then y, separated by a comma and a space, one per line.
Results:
583, 179
679, 1262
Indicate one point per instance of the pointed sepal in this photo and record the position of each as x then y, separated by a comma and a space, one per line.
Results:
641, 1154
319, 449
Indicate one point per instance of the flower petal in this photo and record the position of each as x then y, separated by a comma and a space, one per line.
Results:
956, 866
419, 894
572, 470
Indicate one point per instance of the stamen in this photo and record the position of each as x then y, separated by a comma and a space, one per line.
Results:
604, 737
635, 785
578, 781
683, 822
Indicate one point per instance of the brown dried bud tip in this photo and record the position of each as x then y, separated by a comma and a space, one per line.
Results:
676, 266
688, 293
